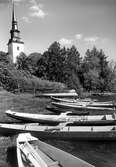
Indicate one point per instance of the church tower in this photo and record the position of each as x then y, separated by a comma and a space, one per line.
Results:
15, 44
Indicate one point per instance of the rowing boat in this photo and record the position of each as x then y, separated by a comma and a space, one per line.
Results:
60, 110
63, 117
67, 94
32, 152
62, 131
80, 107
71, 100
86, 102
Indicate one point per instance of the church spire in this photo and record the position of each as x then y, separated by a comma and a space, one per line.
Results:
15, 44
14, 21
15, 33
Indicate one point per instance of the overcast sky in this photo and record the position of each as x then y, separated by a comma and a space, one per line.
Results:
84, 23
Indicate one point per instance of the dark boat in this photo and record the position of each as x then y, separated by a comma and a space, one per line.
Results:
60, 110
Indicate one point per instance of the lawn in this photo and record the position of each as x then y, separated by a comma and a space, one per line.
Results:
20, 103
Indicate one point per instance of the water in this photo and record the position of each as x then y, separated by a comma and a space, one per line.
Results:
99, 154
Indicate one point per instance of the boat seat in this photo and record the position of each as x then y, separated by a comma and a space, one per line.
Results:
114, 115
114, 128
53, 164
104, 117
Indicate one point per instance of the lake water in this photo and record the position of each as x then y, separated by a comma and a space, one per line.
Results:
99, 154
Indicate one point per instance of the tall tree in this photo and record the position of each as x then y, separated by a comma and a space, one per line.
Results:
96, 70
51, 65
21, 63
74, 61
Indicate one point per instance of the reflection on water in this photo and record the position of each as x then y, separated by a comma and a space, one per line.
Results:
99, 154
12, 156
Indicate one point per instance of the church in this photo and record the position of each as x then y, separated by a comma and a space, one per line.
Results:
15, 44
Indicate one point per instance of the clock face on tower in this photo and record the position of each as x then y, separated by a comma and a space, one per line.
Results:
15, 44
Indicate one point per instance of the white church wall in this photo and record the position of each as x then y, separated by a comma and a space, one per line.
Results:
15, 49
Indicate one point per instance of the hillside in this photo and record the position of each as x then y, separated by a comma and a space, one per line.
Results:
14, 80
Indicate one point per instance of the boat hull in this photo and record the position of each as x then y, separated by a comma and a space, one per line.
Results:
80, 107
65, 134
70, 94
89, 103
59, 110
45, 154
73, 120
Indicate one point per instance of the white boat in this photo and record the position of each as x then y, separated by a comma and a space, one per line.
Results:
62, 131
67, 94
32, 152
86, 102
72, 100
81, 107
63, 117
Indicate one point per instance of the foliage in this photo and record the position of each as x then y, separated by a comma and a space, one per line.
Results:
51, 64
59, 65
17, 77
96, 71
66, 65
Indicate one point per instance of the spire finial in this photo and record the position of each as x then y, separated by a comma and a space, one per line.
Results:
14, 21
13, 12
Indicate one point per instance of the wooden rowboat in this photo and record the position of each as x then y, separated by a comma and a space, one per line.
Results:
91, 103
80, 107
71, 100
67, 94
62, 131
32, 152
63, 117
58, 110
86, 102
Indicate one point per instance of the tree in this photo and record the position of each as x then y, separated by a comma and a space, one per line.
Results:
73, 69
50, 65
96, 70
21, 63
4, 57
32, 61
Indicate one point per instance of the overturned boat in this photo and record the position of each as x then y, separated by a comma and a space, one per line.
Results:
80, 107
63, 117
33, 152
66, 94
62, 131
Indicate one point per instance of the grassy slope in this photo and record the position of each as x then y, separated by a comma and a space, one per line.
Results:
21, 103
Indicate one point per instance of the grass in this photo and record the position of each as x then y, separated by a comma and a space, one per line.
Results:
20, 103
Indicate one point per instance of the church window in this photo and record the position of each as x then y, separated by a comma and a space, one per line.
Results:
17, 47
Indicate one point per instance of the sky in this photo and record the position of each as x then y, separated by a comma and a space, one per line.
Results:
83, 23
